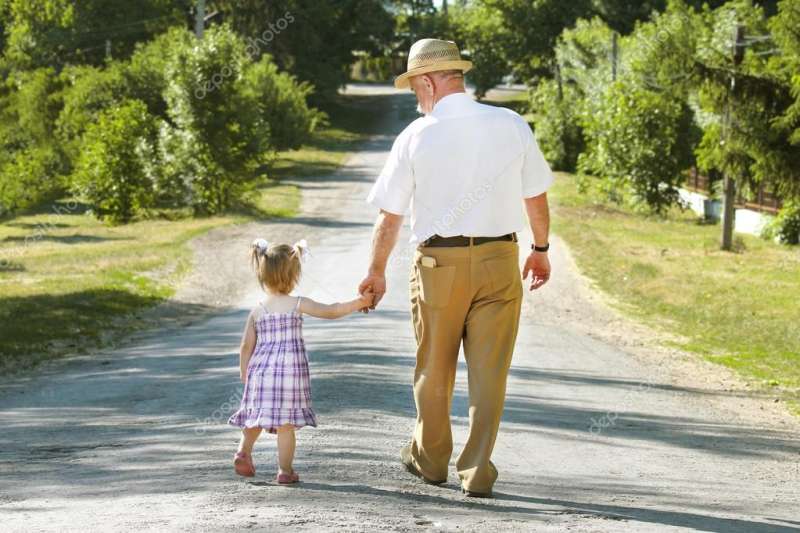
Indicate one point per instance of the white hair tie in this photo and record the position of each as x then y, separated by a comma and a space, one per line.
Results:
262, 245
301, 248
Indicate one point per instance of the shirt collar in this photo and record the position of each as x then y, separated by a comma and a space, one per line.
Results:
452, 105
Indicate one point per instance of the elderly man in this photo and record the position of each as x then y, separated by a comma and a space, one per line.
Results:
465, 170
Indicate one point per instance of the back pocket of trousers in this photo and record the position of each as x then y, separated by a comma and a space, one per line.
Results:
436, 285
504, 276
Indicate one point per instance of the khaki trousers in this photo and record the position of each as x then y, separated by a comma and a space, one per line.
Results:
473, 295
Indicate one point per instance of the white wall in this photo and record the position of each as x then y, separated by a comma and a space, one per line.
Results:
747, 220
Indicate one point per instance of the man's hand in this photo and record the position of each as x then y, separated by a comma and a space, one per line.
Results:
376, 284
538, 264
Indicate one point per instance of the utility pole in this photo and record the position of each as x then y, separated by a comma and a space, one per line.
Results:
199, 18
444, 7
729, 182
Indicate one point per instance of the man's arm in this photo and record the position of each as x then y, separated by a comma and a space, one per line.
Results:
539, 219
384, 238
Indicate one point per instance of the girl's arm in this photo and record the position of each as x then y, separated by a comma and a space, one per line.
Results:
247, 346
337, 310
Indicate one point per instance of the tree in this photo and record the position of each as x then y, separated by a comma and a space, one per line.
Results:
216, 141
281, 103
534, 27
32, 164
483, 38
56, 32
111, 173
744, 137
639, 142
314, 40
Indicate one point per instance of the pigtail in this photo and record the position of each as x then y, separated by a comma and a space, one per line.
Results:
258, 250
301, 251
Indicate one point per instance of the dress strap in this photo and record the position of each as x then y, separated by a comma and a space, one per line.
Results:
297, 305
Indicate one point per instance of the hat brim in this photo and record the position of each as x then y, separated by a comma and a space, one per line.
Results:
401, 81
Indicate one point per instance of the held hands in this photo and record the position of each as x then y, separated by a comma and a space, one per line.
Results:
365, 299
374, 285
539, 265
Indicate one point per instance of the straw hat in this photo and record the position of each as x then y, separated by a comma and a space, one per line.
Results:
430, 55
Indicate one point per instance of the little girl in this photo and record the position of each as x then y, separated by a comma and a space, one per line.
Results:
272, 358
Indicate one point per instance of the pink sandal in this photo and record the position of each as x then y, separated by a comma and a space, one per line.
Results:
288, 479
243, 464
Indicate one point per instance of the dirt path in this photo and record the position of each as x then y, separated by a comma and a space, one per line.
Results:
601, 432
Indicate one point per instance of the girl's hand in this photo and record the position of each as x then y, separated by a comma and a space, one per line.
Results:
366, 298
243, 375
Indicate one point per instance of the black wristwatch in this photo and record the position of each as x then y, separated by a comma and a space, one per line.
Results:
540, 248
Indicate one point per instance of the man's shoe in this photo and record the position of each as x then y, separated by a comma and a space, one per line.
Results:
474, 494
408, 462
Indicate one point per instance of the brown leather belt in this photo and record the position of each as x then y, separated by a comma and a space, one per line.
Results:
441, 242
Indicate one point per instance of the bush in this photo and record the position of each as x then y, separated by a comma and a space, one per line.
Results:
481, 32
786, 226
372, 68
281, 103
31, 161
112, 172
88, 92
217, 141
29, 178
558, 124
145, 74
640, 142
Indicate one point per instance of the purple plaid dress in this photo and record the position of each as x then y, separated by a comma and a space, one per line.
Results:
278, 387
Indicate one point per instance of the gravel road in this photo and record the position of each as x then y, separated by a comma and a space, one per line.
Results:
603, 430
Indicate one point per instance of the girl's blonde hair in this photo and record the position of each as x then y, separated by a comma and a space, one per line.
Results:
277, 266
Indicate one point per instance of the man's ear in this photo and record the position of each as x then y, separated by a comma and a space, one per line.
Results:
430, 86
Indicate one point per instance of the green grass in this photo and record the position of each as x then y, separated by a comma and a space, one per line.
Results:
68, 281
741, 310
518, 101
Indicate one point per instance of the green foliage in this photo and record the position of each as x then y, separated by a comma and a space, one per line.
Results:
746, 134
88, 91
57, 32
28, 178
557, 120
786, 226
372, 68
145, 73
583, 55
660, 54
31, 162
639, 144
481, 34
111, 174
316, 40
217, 141
281, 103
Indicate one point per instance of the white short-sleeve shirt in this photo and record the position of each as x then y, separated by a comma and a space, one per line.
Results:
462, 170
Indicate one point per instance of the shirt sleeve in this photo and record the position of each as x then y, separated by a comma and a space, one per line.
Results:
536, 174
394, 187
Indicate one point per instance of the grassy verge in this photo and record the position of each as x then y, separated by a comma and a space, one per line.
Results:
737, 309
66, 279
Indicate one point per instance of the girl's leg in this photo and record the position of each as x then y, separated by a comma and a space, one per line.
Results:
286, 445
249, 437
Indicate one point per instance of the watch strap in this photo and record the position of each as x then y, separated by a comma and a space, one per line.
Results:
540, 248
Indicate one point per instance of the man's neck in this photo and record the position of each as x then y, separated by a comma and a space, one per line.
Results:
454, 90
